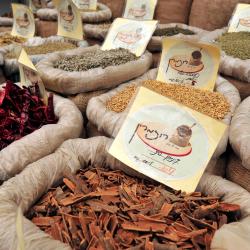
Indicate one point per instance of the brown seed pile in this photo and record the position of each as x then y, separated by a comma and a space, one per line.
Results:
44, 48
95, 59
213, 104
172, 31
7, 39
103, 209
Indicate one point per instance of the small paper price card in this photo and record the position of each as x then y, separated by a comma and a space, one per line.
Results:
140, 9
86, 4
30, 76
188, 62
167, 141
35, 5
240, 20
129, 34
24, 22
69, 20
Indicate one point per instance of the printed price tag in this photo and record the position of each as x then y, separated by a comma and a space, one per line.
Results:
35, 5
24, 22
129, 34
30, 76
140, 9
69, 20
240, 20
86, 4
167, 141
188, 62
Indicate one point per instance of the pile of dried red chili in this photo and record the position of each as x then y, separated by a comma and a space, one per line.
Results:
21, 112
108, 210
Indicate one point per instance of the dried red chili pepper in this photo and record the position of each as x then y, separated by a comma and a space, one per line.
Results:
22, 112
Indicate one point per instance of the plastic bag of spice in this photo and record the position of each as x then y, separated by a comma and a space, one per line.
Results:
235, 56
14, 157
38, 48
109, 120
91, 69
102, 14
177, 30
240, 132
25, 189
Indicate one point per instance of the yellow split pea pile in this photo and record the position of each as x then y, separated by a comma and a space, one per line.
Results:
213, 104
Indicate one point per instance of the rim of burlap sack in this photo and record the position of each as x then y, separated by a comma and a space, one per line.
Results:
81, 100
96, 31
92, 131
15, 157
230, 66
25, 189
91, 80
6, 21
110, 122
237, 173
102, 14
155, 44
240, 132
11, 65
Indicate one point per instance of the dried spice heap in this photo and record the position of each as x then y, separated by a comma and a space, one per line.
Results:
95, 59
236, 44
101, 209
172, 31
44, 48
213, 104
7, 39
22, 112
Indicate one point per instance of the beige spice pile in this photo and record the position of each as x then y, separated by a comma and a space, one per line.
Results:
213, 104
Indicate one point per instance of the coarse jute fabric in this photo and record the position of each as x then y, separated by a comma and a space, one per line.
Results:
102, 14
11, 65
240, 132
92, 131
26, 188
6, 22
155, 44
96, 31
110, 122
71, 83
44, 141
230, 66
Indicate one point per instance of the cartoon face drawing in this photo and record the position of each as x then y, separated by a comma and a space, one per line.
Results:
245, 22
67, 15
138, 12
130, 37
23, 21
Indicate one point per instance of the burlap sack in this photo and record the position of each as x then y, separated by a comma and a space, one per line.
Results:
15, 157
230, 66
116, 7
92, 131
46, 28
24, 189
102, 14
96, 31
95, 79
81, 100
212, 14
2, 77
6, 22
155, 44
240, 132
110, 122
11, 65
237, 173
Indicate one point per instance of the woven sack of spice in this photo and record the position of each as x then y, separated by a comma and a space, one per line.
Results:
15, 157
6, 22
240, 133
38, 48
176, 30
237, 173
67, 82
102, 14
231, 65
96, 31
92, 131
22, 191
110, 122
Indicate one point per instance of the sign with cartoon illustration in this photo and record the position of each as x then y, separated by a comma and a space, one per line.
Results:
29, 75
24, 23
188, 62
69, 20
129, 34
140, 9
35, 5
240, 20
167, 141
86, 4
